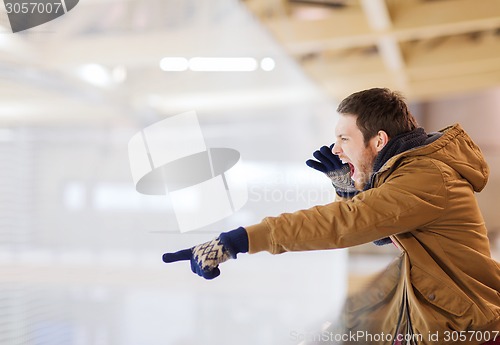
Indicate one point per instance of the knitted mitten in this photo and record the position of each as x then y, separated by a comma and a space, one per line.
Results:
206, 257
338, 172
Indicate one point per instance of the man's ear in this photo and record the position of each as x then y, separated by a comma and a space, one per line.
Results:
381, 140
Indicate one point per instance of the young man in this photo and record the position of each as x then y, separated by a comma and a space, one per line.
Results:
395, 184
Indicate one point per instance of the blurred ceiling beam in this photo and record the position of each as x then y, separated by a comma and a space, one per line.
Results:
414, 19
420, 47
377, 13
411, 20
425, 48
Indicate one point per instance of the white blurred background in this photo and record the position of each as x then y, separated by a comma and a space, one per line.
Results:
80, 249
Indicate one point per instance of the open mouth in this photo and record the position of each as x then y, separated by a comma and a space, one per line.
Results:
352, 168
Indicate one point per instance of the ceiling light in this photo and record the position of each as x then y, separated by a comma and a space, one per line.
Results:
214, 64
95, 74
267, 64
174, 64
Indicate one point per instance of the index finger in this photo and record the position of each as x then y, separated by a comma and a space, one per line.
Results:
181, 255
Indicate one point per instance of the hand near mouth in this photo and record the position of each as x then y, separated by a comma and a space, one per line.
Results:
339, 172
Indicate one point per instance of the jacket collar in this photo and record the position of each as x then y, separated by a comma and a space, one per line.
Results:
396, 147
434, 141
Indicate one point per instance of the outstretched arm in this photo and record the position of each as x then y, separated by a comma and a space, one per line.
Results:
206, 257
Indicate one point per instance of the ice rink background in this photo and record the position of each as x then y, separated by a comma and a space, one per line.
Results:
80, 248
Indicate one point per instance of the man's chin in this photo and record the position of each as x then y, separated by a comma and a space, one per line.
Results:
360, 184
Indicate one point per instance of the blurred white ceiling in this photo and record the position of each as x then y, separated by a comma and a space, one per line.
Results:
80, 249
101, 61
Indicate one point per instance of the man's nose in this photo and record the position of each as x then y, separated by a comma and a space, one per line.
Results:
336, 148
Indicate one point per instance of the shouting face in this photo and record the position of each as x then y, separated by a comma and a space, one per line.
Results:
351, 149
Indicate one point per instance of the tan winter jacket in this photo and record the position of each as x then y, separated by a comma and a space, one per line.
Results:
444, 288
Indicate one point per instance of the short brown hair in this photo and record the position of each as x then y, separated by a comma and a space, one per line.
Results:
378, 109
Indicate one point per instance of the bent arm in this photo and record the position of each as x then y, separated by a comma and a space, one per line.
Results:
414, 195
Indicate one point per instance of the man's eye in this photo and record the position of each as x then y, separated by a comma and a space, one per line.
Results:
343, 139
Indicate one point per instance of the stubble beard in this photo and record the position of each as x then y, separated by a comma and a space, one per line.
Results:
365, 170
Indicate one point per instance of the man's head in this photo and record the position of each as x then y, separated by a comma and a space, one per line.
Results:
368, 119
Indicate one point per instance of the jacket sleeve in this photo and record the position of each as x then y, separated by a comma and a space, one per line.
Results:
413, 196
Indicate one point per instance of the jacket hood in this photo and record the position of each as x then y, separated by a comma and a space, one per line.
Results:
453, 146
